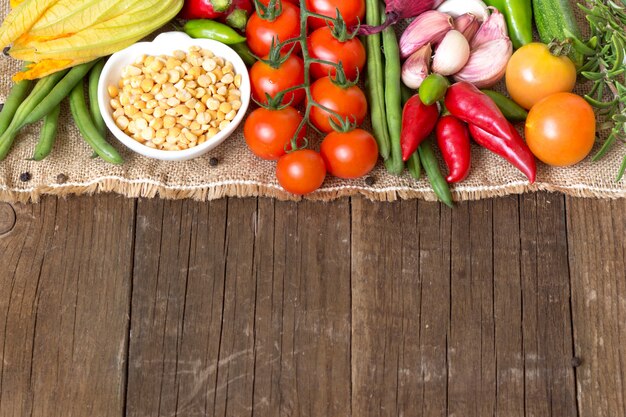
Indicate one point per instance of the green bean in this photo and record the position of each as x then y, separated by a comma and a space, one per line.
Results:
88, 130
41, 90
407, 93
375, 81
18, 93
415, 166
393, 99
94, 107
48, 134
59, 92
431, 166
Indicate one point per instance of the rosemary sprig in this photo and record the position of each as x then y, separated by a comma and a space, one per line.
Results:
604, 66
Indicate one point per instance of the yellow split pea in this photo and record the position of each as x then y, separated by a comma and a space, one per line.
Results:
176, 102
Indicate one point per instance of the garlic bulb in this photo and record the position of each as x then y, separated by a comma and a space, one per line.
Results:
468, 25
456, 8
429, 27
451, 54
493, 28
415, 69
487, 63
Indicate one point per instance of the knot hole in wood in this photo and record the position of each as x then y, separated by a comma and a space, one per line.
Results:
7, 218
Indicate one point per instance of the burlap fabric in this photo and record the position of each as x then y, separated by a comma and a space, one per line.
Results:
240, 174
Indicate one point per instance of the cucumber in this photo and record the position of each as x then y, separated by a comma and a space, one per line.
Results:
553, 19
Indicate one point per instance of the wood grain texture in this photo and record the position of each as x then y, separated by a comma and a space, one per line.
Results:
546, 321
64, 307
257, 307
233, 306
597, 244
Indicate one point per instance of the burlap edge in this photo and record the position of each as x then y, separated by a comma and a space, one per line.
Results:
208, 192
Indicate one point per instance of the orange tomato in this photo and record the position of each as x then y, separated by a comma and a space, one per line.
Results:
561, 129
533, 74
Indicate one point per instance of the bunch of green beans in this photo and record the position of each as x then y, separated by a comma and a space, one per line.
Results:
44, 102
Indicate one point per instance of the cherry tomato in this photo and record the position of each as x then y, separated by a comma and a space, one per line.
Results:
352, 11
561, 129
260, 32
267, 132
533, 73
349, 155
295, 2
301, 172
323, 45
347, 102
266, 79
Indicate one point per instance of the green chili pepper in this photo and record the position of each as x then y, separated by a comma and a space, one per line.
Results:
88, 130
94, 107
393, 99
433, 89
48, 134
431, 166
210, 29
245, 53
498, 4
14, 99
511, 110
519, 19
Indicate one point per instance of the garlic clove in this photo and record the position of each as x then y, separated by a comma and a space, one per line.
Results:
487, 63
456, 8
415, 69
493, 28
468, 25
451, 54
429, 27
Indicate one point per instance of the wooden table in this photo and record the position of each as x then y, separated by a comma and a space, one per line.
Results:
506, 307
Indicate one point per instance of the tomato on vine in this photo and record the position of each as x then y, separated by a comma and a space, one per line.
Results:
268, 132
351, 154
325, 45
276, 74
348, 101
353, 11
301, 172
277, 22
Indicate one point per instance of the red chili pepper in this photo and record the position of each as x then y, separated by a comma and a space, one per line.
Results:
513, 150
238, 14
474, 107
205, 9
454, 141
418, 121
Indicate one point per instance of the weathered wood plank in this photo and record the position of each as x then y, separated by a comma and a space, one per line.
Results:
471, 344
507, 294
64, 307
177, 307
597, 243
228, 325
547, 327
400, 263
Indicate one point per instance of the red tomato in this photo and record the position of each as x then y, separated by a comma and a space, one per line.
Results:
349, 155
348, 102
268, 132
323, 45
265, 79
352, 11
266, 2
301, 172
260, 32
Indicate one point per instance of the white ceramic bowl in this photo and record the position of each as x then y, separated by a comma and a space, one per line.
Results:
166, 44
